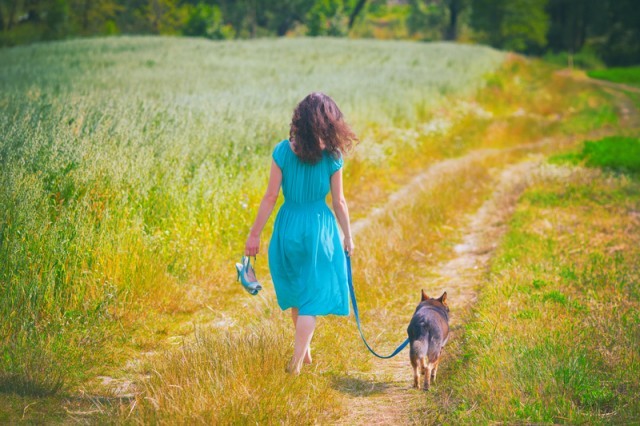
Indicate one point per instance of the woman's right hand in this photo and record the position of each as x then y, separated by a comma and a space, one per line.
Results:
253, 246
348, 245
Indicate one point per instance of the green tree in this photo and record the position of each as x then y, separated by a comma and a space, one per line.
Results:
519, 25
58, 20
622, 38
206, 21
427, 18
278, 17
327, 17
91, 16
165, 16
454, 8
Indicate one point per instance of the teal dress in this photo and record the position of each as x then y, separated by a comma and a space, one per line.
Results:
306, 258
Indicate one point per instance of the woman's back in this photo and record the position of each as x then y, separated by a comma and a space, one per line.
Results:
302, 182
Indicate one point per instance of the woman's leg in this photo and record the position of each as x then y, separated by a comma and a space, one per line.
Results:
305, 325
294, 317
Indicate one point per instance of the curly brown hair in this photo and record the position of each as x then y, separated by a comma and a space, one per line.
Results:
318, 125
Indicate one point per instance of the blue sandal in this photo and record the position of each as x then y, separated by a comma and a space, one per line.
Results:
247, 276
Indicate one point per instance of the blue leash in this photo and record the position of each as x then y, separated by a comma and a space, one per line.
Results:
357, 315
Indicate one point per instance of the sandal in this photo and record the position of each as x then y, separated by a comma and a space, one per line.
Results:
247, 276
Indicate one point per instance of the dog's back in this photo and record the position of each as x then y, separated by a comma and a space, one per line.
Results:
428, 333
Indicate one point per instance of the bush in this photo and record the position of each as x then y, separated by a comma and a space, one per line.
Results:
206, 21
585, 59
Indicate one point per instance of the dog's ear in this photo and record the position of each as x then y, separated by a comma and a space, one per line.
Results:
443, 298
424, 296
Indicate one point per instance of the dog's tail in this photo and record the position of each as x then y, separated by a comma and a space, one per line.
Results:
419, 348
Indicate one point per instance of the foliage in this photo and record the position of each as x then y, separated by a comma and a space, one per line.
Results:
426, 18
585, 59
327, 17
609, 28
622, 45
206, 21
516, 25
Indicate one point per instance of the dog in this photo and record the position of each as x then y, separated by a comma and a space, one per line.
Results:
428, 333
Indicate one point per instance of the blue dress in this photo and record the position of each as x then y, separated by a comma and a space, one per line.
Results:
306, 258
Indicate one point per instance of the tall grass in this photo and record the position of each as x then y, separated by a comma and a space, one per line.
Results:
130, 167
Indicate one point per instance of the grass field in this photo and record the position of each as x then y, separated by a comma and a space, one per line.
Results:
628, 75
132, 168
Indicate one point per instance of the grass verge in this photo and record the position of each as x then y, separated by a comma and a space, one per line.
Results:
626, 75
615, 153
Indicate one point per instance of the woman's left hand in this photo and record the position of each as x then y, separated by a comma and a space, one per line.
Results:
348, 245
253, 246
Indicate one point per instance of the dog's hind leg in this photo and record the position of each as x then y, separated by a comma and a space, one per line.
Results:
435, 369
416, 378
427, 376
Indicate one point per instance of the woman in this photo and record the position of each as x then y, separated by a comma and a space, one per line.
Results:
306, 258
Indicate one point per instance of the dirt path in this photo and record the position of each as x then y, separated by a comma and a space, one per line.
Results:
442, 170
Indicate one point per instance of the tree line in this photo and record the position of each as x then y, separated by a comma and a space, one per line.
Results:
608, 28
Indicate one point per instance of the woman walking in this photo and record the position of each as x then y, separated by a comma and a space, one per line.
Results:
306, 257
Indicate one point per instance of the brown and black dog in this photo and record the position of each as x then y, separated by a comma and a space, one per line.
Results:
428, 333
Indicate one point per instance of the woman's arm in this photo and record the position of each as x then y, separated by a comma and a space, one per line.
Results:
341, 210
266, 207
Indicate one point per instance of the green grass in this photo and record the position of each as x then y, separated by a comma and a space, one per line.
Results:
615, 153
628, 75
554, 336
586, 59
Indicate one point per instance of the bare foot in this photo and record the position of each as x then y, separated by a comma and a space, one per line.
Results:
307, 357
293, 367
